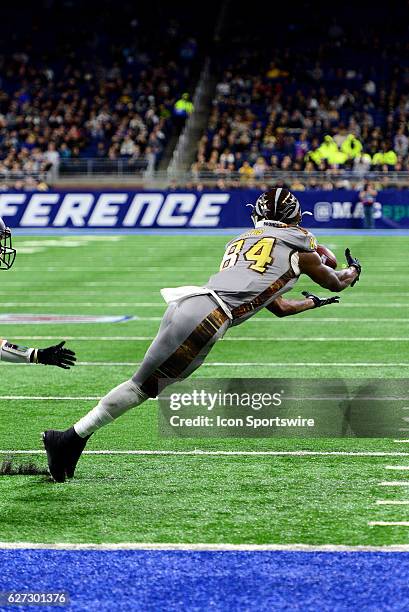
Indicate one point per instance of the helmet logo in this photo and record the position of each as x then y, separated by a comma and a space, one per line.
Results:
262, 205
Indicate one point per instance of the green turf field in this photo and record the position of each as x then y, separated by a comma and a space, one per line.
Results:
251, 498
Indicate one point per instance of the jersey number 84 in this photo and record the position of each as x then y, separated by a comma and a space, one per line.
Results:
260, 254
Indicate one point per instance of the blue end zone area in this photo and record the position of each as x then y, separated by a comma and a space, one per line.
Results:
223, 580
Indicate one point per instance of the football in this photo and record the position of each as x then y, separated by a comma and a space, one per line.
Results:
327, 256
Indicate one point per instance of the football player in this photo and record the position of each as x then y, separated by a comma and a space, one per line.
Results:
258, 267
52, 355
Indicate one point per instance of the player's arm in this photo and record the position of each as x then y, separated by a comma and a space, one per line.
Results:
285, 308
52, 355
333, 280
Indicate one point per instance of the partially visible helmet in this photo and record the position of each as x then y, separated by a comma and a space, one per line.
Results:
277, 204
7, 253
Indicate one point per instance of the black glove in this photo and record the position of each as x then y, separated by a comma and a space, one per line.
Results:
321, 301
354, 263
56, 356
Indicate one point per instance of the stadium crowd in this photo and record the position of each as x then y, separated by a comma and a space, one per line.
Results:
337, 104
340, 105
109, 95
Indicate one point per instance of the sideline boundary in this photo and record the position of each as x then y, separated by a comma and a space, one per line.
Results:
329, 548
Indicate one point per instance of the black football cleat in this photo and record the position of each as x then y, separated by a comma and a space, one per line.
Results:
53, 444
76, 446
64, 449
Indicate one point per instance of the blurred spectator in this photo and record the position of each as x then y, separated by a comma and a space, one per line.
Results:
246, 171
370, 87
401, 142
385, 157
52, 156
362, 164
182, 109
260, 168
368, 197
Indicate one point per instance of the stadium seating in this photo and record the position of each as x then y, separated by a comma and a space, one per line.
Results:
103, 102
105, 96
339, 101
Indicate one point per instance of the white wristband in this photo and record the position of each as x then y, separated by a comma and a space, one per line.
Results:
14, 353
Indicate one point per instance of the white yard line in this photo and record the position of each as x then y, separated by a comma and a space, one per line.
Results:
220, 453
56, 291
380, 398
394, 483
95, 304
44, 398
388, 523
320, 339
396, 467
149, 281
261, 363
140, 319
238, 364
78, 290
139, 269
124, 288
51, 287
74, 293
92, 304
217, 546
36, 398
226, 339
315, 319
302, 319
392, 502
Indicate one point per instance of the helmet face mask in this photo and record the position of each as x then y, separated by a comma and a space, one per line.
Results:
7, 252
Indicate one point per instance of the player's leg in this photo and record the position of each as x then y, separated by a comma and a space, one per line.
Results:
128, 394
196, 325
187, 333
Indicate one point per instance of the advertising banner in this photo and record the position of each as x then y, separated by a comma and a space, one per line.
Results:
189, 209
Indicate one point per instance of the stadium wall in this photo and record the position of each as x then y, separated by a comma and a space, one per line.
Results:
190, 209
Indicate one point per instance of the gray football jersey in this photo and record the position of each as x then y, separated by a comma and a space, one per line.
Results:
260, 265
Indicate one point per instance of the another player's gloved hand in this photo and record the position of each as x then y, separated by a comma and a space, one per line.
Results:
56, 356
321, 301
354, 263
